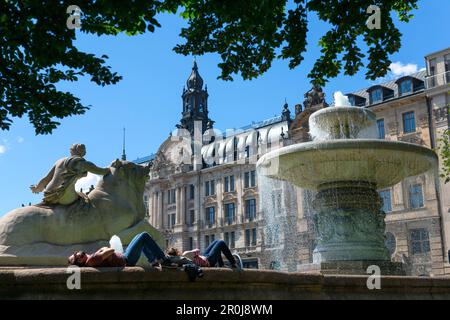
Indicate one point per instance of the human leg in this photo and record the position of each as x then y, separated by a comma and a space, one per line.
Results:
143, 243
216, 251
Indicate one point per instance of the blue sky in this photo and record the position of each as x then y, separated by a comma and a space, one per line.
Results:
147, 101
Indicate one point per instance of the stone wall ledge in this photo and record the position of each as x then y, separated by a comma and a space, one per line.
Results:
217, 284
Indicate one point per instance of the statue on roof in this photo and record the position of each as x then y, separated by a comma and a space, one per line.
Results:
315, 96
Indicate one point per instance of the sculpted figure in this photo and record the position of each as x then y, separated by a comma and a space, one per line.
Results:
59, 184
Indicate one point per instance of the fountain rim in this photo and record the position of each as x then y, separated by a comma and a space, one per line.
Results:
374, 144
338, 109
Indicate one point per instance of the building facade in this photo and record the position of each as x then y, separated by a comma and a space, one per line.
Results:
204, 185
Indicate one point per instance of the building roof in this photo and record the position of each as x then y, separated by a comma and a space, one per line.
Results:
392, 85
235, 132
144, 159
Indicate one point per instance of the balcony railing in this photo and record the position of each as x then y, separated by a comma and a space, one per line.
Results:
437, 80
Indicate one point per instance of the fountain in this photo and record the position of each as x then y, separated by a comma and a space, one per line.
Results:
345, 164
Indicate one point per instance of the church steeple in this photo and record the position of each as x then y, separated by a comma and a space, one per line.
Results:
124, 155
195, 103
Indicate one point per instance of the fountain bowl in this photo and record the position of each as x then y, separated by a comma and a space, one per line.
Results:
314, 165
343, 123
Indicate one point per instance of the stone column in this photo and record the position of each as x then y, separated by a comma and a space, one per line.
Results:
183, 205
161, 210
177, 204
153, 211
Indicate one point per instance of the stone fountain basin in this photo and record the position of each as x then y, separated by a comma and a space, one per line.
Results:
313, 165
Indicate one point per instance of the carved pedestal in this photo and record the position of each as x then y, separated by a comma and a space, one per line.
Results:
349, 223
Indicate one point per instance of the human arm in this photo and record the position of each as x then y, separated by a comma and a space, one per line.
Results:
91, 167
191, 254
100, 256
36, 188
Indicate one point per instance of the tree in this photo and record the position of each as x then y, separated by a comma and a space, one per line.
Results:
37, 50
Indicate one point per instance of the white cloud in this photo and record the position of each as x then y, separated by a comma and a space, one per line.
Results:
88, 181
2, 149
20, 139
399, 69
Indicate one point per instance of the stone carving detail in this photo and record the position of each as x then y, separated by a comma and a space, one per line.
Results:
114, 207
413, 138
441, 114
350, 218
313, 97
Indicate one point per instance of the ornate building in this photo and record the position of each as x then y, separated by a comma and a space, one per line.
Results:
204, 184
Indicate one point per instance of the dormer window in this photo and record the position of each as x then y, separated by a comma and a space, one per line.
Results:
405, 87
356, 100
376, 96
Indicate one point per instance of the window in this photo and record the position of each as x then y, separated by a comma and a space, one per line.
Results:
229, 213
247, 151
250, 179
212, 237
376, 95
420, 241
171, 221
192, 192
210, 216
380, 125
409, 122
247, 237
229, 238
192, 216
232, 239
172, 196
146, 203
250, 209
226, 183
351, 99
386, 200
432, 79
235, 149
213, 187
254, 235
210, 189
276, 202
246, 179
405, 87
207, 190
229, 184
447, 68
206, 241
191, 243
416, 196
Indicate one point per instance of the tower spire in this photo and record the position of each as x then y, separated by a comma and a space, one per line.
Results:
124, 155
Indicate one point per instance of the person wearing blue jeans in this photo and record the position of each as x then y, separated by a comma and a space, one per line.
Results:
107, 257
144, 243
212, 255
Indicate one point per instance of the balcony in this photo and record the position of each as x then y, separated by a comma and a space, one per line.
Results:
413, 137
227, 221
437, 80
207, 224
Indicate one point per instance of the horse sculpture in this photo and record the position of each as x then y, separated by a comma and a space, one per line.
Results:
41, 235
